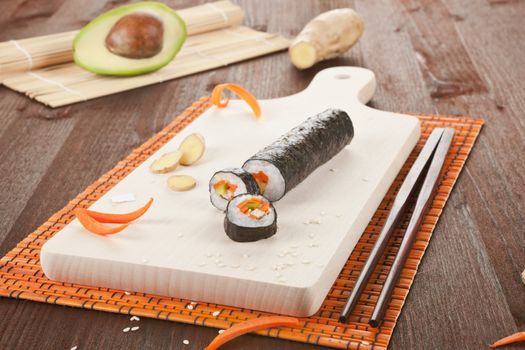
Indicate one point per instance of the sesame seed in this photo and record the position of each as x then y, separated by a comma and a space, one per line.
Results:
235, 266
193, 302
202, 263
294, 246
134, 318
220, 331
250, 268
189, 307
144, 261
185, 342
74, 347
338, 215
126, 330
313, 244
295, 255
320, 265
364, 179
246, 256
217, 254
180, 235
323, 213
136, 328
216, 313
311, 235
217, 261
282, 279
127, 293
306, 261
209, 255
221, 265
333, 170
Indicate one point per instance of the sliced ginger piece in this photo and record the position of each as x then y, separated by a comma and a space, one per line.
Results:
181, 183
166, 163
326, 36
192, 148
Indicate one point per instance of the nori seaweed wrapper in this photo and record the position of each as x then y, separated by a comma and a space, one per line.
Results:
309, 145
249, 234
251, 185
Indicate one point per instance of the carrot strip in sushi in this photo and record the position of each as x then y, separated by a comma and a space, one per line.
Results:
120, 218
96, 227
514, 338
239, 91
252, 325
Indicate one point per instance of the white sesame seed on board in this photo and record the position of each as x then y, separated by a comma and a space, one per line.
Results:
311, 235
189, 307
220, 331
306, 262
127, 293
250, 268
134, 318
221, 265
180, 235
282, 279
202, 263
74, 347
209, 255
235, 266
185, 342
294, 246
216, 313
126, 330
136, 328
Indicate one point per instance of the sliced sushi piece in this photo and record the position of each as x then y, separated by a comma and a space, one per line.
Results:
250, 218
285, 163
228, 183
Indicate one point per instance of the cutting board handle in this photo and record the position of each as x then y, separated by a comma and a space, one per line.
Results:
340, 85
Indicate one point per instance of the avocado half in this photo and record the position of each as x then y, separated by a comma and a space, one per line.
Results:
91, 52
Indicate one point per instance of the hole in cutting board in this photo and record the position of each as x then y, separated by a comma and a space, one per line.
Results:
342, 76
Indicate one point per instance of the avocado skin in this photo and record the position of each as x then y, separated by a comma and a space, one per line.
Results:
146, 5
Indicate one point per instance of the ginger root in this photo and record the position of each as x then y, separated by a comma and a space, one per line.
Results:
326, 36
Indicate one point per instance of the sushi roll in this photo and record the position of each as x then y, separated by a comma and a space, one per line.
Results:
228, 183
285, 163
250, 218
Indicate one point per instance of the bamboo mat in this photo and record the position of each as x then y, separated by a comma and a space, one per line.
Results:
65, 84
21, 275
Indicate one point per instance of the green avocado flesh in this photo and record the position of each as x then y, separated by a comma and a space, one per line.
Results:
221, 190
252, 206
91, 53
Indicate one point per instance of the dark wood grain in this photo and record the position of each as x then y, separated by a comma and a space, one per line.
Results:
444, 56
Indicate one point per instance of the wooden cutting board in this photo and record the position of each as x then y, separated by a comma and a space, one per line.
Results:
179, 249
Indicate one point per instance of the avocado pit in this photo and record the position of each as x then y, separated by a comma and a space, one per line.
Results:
136, 35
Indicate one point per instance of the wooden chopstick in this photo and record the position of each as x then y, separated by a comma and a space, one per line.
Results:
423, 202
398, 208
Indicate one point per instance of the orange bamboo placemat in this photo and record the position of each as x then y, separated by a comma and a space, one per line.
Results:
21, 275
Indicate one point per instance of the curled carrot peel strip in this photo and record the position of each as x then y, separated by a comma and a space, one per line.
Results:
120, 218
96, 227
252, 325
514, 338
239, 91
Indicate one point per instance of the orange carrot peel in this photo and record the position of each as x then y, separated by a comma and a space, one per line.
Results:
93, 221
96, 227
120, 218
239, 91
252, 325
514, 338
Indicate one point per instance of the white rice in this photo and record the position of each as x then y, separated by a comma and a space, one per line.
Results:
240, 219
218, 201
276, 184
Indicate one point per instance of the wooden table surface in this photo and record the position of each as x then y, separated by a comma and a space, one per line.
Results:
441, 57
